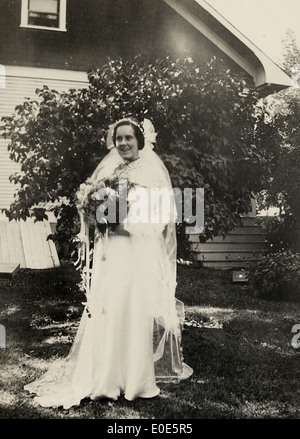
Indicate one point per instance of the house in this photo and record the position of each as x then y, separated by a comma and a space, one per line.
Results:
55, 42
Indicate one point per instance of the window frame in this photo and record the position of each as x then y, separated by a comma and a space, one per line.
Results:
62, 17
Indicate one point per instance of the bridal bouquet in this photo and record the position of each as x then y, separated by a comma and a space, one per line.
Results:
104, 203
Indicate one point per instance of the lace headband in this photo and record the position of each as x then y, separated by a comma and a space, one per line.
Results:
131, 121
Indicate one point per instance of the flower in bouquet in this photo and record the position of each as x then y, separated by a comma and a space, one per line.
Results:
104, 203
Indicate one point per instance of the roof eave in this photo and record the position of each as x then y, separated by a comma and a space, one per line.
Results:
266, 74
268, 89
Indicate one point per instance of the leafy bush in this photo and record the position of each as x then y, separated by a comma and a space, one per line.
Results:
278, 137
280, 232
204, 122
277, 276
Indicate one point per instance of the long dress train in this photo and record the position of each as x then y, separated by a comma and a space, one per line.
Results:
129, 335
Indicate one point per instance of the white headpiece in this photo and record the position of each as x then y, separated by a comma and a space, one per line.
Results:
146, 128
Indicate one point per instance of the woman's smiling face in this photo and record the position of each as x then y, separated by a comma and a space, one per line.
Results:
127, 143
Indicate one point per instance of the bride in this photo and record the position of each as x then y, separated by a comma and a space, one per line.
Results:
129, 335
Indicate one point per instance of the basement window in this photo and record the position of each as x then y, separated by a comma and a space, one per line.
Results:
44, 14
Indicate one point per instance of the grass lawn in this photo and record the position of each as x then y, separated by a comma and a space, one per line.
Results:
239, 347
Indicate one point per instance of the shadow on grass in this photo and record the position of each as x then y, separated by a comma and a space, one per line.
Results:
240, 350
214, 288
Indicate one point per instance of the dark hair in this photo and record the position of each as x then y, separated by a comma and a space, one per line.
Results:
137, 132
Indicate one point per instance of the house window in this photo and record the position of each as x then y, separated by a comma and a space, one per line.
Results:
44, 14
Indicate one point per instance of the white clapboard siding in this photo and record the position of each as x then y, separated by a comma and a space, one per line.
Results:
25, 243
21, 82
242, 246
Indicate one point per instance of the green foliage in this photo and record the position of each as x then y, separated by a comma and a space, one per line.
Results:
205, 137
291, 52
278, 136
277, 276
183, 243
281, 232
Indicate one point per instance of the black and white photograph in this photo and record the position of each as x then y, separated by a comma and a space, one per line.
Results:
149, 212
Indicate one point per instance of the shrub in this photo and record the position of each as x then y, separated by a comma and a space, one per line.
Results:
205, 126
277, 276
278, 138
280, 232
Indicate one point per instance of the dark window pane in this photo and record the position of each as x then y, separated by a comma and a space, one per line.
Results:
48, 20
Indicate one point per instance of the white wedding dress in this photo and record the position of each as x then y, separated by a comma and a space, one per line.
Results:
129, 340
